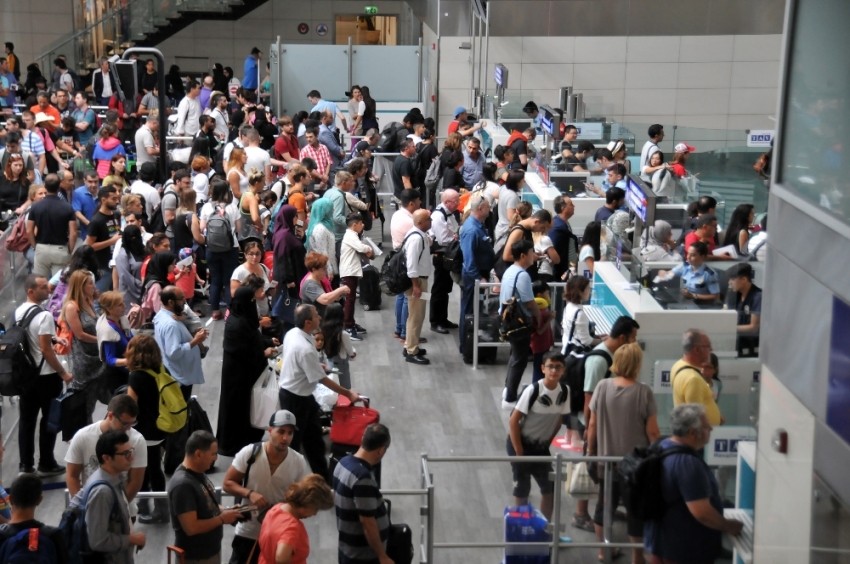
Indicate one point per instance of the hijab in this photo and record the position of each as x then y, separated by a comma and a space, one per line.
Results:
243, 308
322, 211
657, 234
158, 268
219, 80
242, 332
285, 239
131, 241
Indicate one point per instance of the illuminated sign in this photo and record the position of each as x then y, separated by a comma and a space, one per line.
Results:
635, 199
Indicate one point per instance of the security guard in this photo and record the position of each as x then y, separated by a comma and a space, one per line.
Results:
700, 281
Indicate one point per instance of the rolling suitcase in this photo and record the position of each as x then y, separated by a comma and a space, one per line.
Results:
488, 332
399, 540
526, 524
370, 288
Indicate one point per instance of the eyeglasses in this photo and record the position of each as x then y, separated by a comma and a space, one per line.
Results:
126, 424
255, 255
125, 453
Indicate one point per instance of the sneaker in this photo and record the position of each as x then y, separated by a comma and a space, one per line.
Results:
352, 333
508, 405
55, 470
25, 469
359, 328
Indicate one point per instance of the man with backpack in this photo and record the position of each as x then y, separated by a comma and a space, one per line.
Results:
260, 475
686, 378
121, 414
25, 495
445, 229
41, 382
181, 179
102, 532
690, 526
591, 369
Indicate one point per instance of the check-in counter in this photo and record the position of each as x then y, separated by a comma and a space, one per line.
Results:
545, 195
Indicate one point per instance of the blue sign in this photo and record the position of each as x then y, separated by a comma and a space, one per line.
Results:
547, 124
322, 29
721, 445
635, 199
665, 377
500, 76
760, 137
838, 398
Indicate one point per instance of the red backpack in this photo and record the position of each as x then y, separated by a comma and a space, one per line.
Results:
17, 240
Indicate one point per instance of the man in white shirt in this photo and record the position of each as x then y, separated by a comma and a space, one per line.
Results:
444, 229
300, 373
121, 414
656, 136
143, 187
146, 148
260, 474
219, 113
418, 254
258, 158
41, 333
188, 111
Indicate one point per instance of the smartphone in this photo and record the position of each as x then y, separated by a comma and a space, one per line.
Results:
299, 223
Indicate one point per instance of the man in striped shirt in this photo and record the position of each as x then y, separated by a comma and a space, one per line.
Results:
361, 515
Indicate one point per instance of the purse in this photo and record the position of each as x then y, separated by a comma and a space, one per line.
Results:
581, 484
264, 400
514, 324
63, 332
68, 413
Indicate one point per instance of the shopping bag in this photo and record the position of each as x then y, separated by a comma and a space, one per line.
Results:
325, 397
581, 484
265, 400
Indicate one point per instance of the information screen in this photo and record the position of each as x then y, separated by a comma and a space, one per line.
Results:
500, 75
635, 199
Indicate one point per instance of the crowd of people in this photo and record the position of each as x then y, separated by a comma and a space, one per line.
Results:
263, 217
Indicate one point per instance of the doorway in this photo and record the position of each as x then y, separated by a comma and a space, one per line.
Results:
367, 30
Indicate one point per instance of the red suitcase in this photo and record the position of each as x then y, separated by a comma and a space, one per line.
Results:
349, 422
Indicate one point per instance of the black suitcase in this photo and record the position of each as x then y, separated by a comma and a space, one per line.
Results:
340, 451
488, 332
399, 540
370, 288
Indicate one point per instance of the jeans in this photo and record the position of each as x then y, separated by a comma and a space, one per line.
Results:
104, 283
516, 366
401, 315
467, 300
348, 308
537, 372
416, 318
241, 549
440, 291
308, 437
221, 266
37, 399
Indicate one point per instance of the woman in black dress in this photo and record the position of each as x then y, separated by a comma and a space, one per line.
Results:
243, 361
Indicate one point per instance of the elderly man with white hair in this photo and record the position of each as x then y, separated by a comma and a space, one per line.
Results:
444, 230
478, 256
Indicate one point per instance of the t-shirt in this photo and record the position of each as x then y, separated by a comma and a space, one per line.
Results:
356, 494
621, 415
144, 138
310, 292
149, 193
280, 526
689, 386
544, 265
603, 213
401, 167
520, 147
52, 217
42, 324
273, 487
297, 200
596, 369
508, 200
5, 504
82, 450
257, 158
232, 212
147, 392
9, 530
543, 419
516, 274
692, 238
678, 536
190, 491
89, 117
103, 227
169, 202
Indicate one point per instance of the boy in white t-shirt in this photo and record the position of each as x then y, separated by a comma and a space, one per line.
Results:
270, 470
534, 422
121, 414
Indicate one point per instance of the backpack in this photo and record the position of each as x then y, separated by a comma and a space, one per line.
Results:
394, 279
156, 222
219, 231
416, 163
172, 406
73, 523
433, 175
30, 546
641, 471
574, 376
218, 160
18, 370
388, 141
17, 240
78, 82
535, 392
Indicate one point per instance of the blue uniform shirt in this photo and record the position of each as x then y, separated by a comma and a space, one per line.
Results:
86, 204
477, 249
702, 281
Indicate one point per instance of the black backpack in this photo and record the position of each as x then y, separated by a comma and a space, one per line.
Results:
156, 222
641, 471
18, 370
388, 141
394, 279
574, 375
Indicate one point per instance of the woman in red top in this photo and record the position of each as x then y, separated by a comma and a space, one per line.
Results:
283, 537
682, 152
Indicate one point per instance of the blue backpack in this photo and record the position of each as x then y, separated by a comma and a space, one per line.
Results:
73, 524
30, 546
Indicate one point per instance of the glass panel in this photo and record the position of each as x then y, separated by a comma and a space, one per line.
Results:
299, 79
392, 73
813, 162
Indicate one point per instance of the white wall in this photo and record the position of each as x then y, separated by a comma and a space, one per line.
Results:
715, 82
32, 25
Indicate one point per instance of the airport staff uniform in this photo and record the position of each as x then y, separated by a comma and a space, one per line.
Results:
702, 281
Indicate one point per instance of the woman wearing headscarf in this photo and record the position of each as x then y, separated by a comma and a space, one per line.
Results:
219, 80
289, 269
658, 243
174, 84
128, 263
244, 356
320, 234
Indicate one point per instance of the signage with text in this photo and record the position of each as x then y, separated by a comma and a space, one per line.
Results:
590, 131
722, 447
500, 76
636, 200
760, 137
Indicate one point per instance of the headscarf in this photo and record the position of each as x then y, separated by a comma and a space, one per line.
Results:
219, 80
131, 241
243, 308
657, 234
322, 212
157, 270
618, 224
285, 239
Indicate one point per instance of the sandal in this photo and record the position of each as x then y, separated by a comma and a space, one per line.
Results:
585, 523
615, 554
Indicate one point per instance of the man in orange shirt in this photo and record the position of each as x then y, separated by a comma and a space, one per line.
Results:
705, 231
44, 106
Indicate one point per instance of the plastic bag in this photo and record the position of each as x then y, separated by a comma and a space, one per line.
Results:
581, 484
325, 397
264, 400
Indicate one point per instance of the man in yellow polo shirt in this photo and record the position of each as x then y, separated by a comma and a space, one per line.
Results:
686, 375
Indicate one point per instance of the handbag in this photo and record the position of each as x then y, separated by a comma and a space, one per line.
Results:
68, 413
349, 421
265, 400
63, 332
514, 324
581, 484
284, 307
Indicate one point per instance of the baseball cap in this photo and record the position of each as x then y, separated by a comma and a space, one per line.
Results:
459, 110
684, 148
281, 418
362, 146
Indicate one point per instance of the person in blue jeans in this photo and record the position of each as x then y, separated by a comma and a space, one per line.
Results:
221, 264
401, 316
